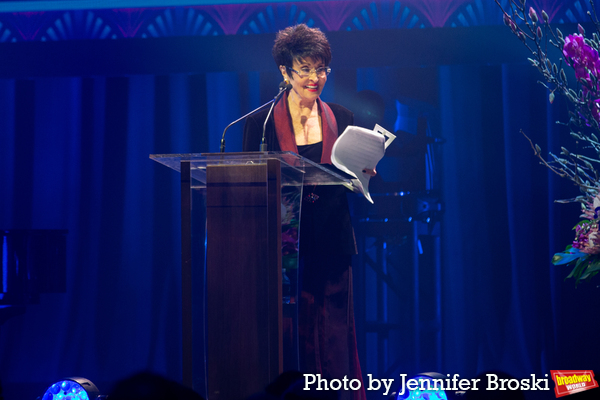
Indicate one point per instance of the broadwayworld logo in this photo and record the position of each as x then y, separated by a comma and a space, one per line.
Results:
569, 382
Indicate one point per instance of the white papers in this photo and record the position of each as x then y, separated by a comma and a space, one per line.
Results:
358, 149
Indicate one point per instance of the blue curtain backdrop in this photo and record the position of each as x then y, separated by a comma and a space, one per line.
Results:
74, 155
505, 306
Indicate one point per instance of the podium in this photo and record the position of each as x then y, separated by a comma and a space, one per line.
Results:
231, 266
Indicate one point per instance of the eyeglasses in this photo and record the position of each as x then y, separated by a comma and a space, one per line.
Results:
306, 72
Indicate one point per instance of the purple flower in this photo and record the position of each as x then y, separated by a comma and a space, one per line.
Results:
289, 241
533, 15
509, 22
587, 239
581, 55
583, 58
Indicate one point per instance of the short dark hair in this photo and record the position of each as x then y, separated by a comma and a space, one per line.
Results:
300, 42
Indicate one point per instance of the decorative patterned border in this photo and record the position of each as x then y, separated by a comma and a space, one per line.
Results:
255, 18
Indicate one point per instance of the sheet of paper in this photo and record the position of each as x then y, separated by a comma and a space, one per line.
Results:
358, 149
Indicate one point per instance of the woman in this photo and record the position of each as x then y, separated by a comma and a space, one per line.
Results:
304, 124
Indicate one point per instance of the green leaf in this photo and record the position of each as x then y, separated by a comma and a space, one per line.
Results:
289, 261
588, 276
567, 257
580, 265
594, 266
585, 221
592, 269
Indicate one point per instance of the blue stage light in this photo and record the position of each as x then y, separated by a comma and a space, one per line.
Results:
72, 389
427, 389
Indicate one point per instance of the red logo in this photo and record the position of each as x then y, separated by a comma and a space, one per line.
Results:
569, 382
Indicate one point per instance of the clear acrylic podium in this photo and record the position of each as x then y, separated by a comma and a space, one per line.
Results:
233, 209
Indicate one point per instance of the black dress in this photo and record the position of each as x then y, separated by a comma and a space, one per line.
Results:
327, 338
327, 226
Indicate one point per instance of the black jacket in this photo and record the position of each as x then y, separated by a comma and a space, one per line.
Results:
326, 226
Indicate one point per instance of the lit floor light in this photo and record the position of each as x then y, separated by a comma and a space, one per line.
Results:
427, 390
73, 389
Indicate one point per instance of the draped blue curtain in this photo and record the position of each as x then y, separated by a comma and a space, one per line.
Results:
74, 155
505, 306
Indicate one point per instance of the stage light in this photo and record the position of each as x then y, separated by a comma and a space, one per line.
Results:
73, 389
427, 390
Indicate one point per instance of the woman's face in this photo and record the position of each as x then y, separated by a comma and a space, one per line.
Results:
309, 88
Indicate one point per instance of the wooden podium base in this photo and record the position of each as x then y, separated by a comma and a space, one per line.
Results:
243, 280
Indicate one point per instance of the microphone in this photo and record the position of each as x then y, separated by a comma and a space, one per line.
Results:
283, 87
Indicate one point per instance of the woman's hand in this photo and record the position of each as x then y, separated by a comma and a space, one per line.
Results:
370, 172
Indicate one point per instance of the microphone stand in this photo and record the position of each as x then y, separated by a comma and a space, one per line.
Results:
238, 120
282, 89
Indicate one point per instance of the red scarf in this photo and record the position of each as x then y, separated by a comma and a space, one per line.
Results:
285, 131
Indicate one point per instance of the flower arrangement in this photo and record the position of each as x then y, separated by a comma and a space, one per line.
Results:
290, 224
579, 53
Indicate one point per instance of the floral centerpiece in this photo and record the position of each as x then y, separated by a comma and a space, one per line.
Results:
290, 224
580, 53
291, 198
